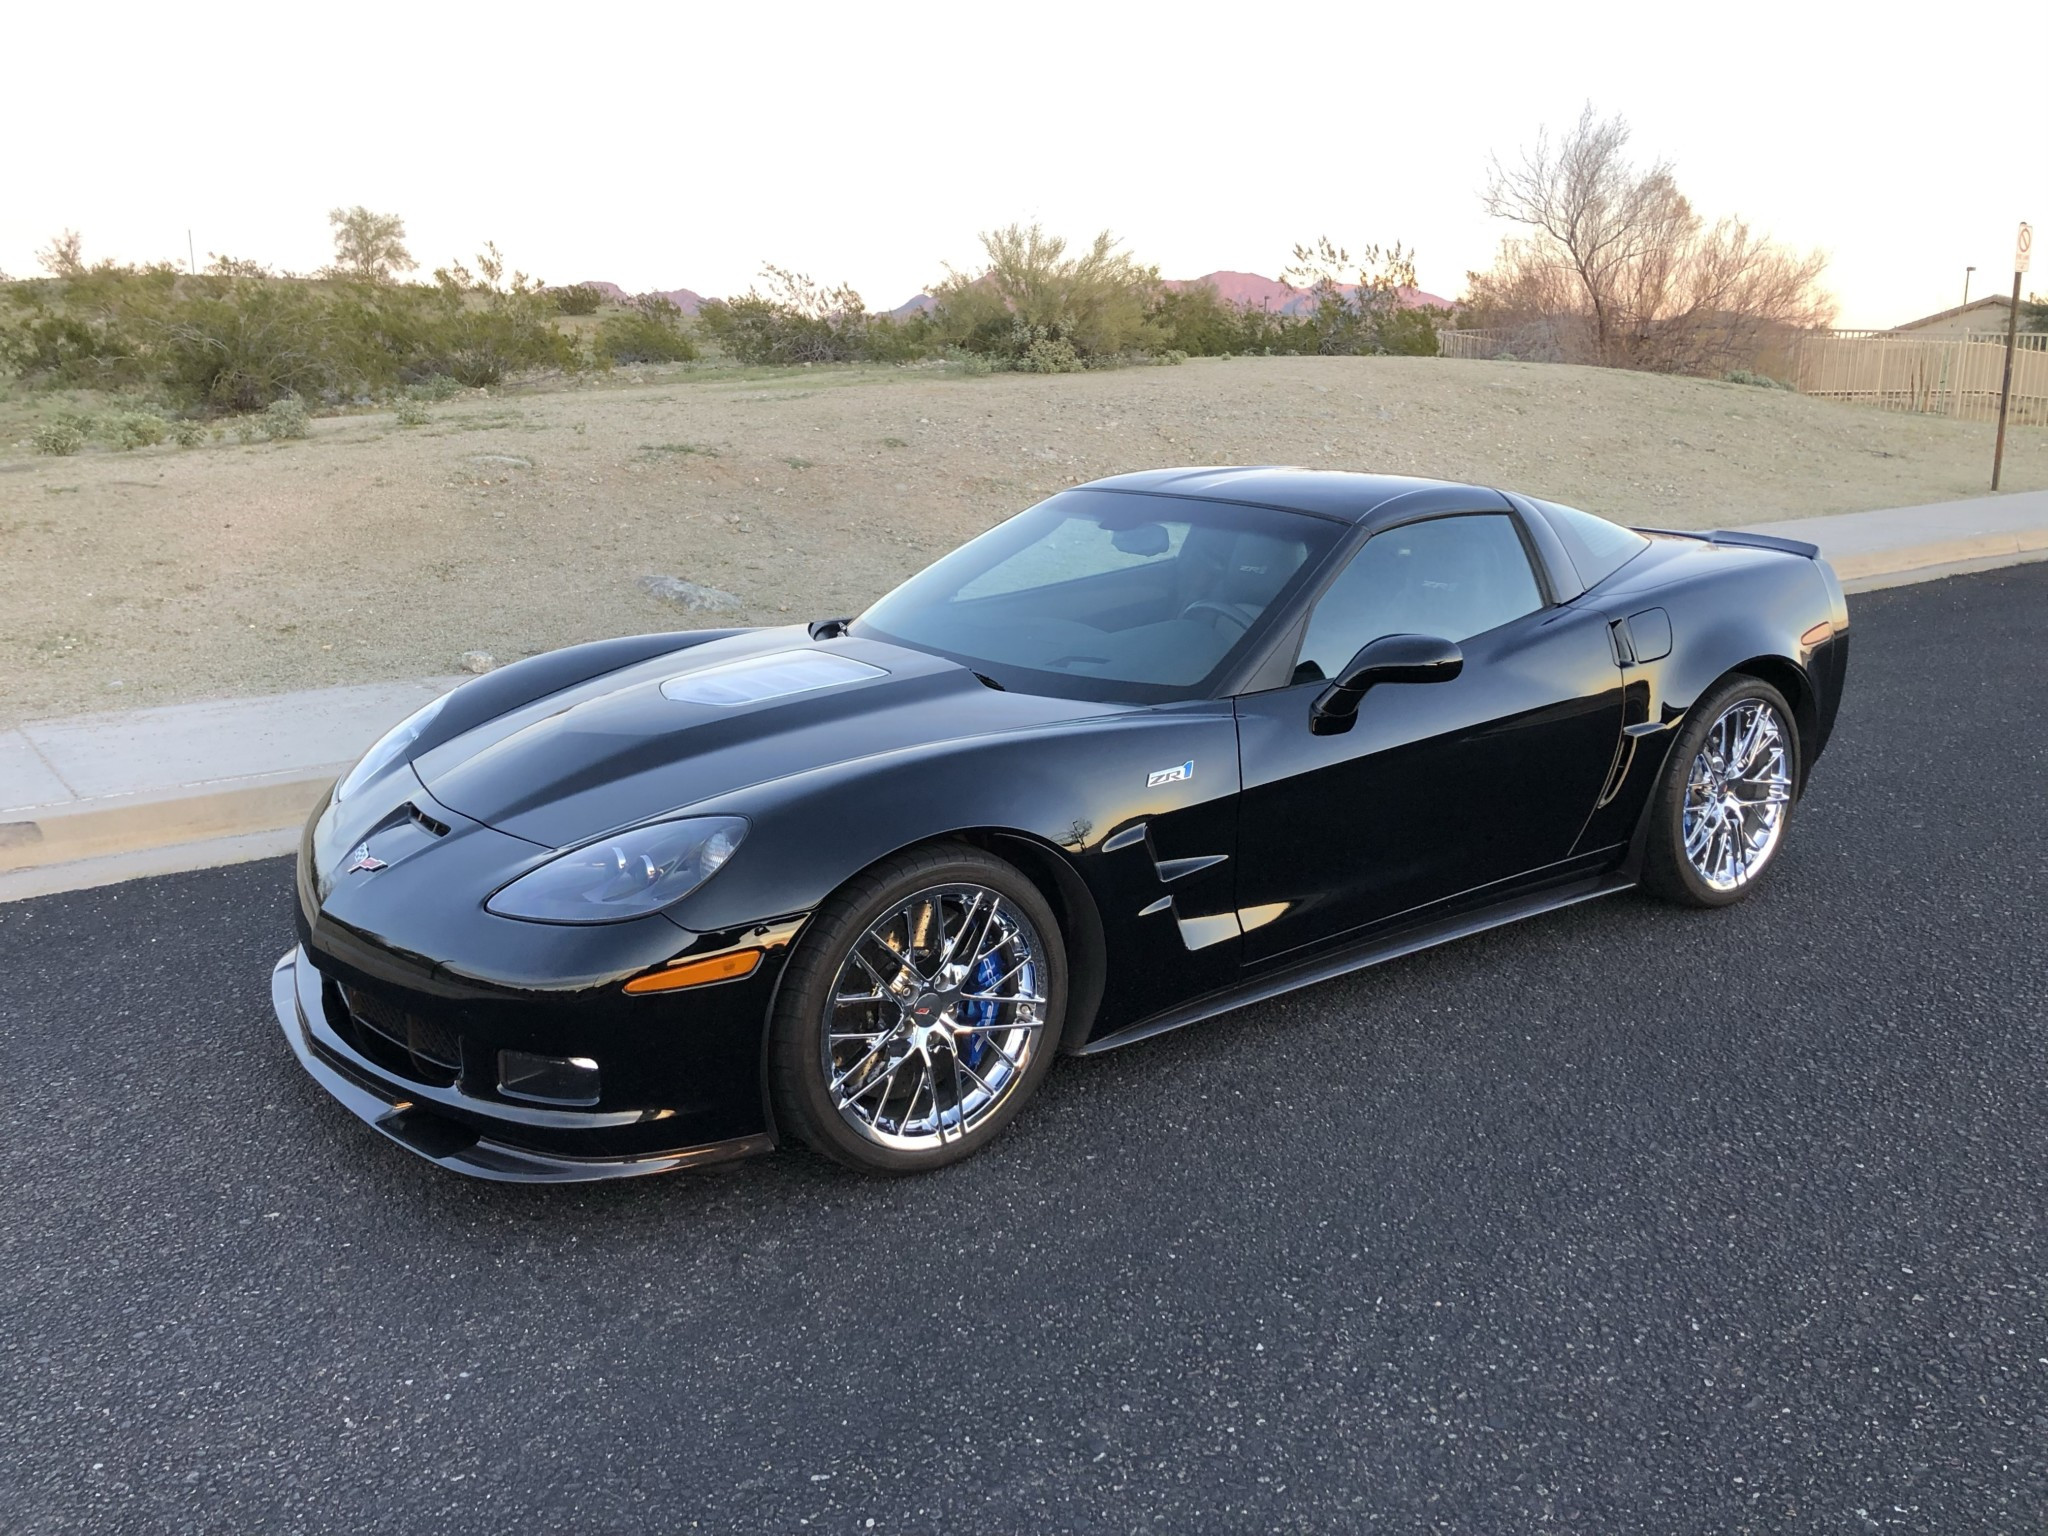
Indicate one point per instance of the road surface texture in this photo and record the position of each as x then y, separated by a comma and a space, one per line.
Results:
1626, 1219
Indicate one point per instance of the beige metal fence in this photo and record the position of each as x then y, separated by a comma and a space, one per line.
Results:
1956, 376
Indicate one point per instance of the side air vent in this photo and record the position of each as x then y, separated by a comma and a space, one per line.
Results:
422, 819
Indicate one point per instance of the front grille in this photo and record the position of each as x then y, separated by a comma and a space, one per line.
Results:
395, 1038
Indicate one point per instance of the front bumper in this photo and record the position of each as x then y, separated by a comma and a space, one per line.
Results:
462, 1133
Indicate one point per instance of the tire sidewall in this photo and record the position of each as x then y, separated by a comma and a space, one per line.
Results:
799, 1015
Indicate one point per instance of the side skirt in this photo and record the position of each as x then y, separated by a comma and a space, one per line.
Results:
1372, 951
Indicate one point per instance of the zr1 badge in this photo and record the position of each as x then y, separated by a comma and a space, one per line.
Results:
1172, 775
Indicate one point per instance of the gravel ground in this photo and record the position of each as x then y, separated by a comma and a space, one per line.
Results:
516, 522
1626, 1219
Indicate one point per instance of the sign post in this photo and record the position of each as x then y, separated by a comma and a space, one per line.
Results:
2022, 259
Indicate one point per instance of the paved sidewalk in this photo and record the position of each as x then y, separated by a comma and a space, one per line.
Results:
100, 798
111, 796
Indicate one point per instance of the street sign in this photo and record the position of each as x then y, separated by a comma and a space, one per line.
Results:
2023, 253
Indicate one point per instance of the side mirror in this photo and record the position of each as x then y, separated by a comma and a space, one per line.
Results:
1389, 659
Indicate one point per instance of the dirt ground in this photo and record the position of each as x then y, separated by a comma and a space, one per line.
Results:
520, 520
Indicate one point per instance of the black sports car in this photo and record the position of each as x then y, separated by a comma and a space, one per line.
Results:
1157, 747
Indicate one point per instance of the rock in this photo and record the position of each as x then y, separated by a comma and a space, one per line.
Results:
478, 662
688, 594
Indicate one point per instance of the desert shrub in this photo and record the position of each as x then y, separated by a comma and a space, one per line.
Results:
651, 331
795, 320
973, 364
1031, 291
188, 433
434, 388
1194, 320
236, 336
411, 412
135, 429
1172, 357
1760, 380
577, 299
60, 438
1040, 350
247, 430
286, 419
1410, 332
238, 343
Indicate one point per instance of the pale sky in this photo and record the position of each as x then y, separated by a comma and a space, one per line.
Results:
682, 145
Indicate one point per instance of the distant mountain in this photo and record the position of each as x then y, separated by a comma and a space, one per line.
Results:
685, 299
1243, 288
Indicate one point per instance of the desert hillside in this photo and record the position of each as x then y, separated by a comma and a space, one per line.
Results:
519, 520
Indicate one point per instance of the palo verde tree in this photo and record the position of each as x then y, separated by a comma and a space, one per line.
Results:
369, 247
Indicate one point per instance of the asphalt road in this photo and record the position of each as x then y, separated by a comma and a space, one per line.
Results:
1627, 1219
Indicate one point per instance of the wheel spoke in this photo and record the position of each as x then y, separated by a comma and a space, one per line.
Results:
1737, 792
908, 1084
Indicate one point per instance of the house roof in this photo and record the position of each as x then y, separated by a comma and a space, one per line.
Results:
1997, 301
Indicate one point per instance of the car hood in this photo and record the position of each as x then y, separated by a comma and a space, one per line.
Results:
680, 729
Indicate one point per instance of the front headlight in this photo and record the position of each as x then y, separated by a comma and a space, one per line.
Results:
629, 875
390, 747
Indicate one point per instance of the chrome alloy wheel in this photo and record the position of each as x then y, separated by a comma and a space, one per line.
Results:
934, 1017
1736, 795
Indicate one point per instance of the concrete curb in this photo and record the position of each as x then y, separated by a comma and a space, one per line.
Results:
171, 786
106, 798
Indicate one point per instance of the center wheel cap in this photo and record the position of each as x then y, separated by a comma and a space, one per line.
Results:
930, 1007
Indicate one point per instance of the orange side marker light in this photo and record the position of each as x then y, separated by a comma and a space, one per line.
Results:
695, 973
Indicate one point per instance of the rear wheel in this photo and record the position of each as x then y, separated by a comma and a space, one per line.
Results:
1725, 798
922, 1008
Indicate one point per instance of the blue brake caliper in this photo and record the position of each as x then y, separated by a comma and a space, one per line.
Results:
986, 975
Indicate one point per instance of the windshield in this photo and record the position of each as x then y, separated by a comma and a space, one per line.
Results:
1108, 594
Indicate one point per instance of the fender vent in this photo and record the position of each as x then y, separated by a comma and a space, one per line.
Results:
422, 819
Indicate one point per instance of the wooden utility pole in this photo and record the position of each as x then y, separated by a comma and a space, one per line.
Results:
2022, 259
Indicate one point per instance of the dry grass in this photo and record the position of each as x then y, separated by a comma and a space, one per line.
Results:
523, 520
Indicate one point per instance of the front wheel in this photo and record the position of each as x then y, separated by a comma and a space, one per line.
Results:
1726, 795
922, 1008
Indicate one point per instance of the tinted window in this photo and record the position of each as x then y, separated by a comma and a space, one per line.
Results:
1453, 577
1597, 547
1108, 594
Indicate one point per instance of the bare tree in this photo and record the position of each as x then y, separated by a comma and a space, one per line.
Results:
1619, 269
369, 246
64, 256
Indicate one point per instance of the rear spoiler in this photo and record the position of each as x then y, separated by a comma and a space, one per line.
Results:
1743, 538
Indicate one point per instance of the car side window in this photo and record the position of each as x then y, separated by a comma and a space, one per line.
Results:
1451, 577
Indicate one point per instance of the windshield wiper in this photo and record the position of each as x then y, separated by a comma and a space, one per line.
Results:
989, 682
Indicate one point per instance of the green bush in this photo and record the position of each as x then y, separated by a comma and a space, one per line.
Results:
1172, 357
578, 299
1039, 350
135, 429
286, 419
1410, 332
795, 321
60, 438
188, 433
237, 337
411, 412
1760, 380
435, 388
649, 332
1033, 293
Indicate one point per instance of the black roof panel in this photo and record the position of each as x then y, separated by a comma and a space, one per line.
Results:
1329, 492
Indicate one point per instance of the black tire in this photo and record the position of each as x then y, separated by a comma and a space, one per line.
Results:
1668, 873
797, 1054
